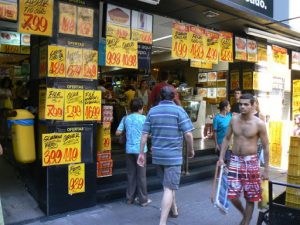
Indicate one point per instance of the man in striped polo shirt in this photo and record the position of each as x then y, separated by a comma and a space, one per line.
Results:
167, 124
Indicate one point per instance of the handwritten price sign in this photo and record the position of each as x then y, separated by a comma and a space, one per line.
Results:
197, 43
56, 61
36, 17
67, 18
180, 40
90, 63
85, 23
141, 36
92, 105
73, 62
212, 47
73, 105
54, 104
76, 178
226, 47
117, 31
61, 148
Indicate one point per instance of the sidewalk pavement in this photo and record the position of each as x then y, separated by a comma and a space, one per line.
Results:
193, 202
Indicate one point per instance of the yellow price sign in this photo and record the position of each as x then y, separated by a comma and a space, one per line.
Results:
197, 42
90, 63
116, 31
9, 10
180, 40
92, 105
36, 17
73, 107
67, 18
141, 36
279, 54
73, 62
85, 23
212, 52
56, 61
247, 81
54, 104
76, 178
234, 80
226, 47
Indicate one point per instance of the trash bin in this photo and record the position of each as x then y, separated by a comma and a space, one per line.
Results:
22, 131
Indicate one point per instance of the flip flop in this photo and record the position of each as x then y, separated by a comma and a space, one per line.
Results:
171, 214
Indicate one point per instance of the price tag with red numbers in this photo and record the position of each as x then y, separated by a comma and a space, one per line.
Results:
36, 17
76, 178
54, 104
212, 52
180, 40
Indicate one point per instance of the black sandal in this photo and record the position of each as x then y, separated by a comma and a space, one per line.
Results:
171, 214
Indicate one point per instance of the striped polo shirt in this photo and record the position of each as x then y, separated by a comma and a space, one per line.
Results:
166, 123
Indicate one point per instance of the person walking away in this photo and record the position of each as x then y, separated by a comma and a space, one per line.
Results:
167, 123
144, 93
136, 175
155, 93
243, 170
220, 124
235, 106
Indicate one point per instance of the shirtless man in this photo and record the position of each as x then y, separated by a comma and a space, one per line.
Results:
244, 174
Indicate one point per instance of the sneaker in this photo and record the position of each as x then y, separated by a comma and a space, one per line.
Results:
146, 203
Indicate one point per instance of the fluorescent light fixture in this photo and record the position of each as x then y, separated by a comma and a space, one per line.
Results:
162, 38
152, 2
272, 37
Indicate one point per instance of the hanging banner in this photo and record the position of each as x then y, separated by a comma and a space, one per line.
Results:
85, 22
180, 40
117, 22
61, 148
56, 61
201, 64
54, 104
251, 51
43, 61
92, 105
90, 63
212, 54
76, 178
196, 43
234, 80
36, 17
8, 10
67, 18
73, 105
279, 55
295, 60
247, 80
141, 27
240, 48
73, 62
226, 47
144, 56
121, 53
262, 54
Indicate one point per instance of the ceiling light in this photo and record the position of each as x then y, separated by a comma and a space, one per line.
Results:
210, 14
272, 37
162, 38
152, 2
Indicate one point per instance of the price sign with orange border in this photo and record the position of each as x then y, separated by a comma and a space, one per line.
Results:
212, 52
92, 105
85, 23
197, 43
67, 18
61, 148
73, 105
36, 17
141, 27
76, 178
54, 104
73, 62
279, 54
90, 63
180, 40
240, 48
226, 47
8, 9
251, 50
56, 61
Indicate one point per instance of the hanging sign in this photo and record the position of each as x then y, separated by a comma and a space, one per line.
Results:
141, 27
56, 61
234, 80
180, 40
201, 64
212, 53
196, 43
262, 55
76, 178
92, 105
90, 63
296, 98
226, 47
73, 107
67, 18
240, 48
251, 51
279, 54
117, 22
295, 60
54, 104
144, 56
73, 62
61, 148
36, 17
85, 22
8, 9
247, 80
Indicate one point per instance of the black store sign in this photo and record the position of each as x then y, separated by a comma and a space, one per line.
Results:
261, 6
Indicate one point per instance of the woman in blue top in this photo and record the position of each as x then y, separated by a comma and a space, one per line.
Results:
220, 124
133, 125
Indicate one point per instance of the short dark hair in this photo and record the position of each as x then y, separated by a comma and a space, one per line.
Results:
248, 96
164, 75
237, 89
223, 104
167, 93
136, 104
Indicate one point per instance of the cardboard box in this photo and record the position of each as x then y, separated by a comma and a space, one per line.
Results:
101, 156
104, 172
105, 164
